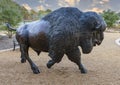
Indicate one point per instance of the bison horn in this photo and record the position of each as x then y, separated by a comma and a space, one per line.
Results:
101, 26
98, 26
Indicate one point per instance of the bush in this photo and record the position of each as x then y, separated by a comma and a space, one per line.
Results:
3, 27
110, 17
10, 12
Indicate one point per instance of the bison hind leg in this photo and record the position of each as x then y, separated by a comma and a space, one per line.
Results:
23, 58
75, 56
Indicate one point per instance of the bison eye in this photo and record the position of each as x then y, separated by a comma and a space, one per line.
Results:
95, 23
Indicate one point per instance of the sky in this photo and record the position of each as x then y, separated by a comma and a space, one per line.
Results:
84, 5
100, 5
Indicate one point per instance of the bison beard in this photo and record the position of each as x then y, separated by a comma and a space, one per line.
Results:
59, 33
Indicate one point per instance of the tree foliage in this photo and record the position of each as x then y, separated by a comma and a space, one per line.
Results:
14, 13
25, 13
10, 12
42, 13
110, 17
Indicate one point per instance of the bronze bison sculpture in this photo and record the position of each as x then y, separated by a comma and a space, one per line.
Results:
59, 33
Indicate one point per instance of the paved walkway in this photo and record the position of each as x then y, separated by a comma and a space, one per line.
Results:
6, 43
117, 41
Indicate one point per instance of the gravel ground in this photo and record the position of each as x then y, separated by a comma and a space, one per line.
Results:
103, 65
5, 42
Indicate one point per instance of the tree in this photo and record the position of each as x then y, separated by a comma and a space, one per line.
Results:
110, 17
26, 15
33, 14
42, 13
48, 10
10, 12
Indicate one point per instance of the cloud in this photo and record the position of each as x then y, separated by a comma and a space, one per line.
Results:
72, 2
40, 8
68, 2
101, 2
27, 7
95, 2
98, 5
95, 9
104, 1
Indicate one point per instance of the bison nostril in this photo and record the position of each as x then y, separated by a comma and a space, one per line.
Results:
98, 42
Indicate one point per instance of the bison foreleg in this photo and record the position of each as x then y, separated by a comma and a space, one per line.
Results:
56, 57
56, 49
75, 56
50, 63
24, 52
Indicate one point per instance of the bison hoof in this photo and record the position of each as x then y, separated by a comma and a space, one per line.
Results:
50, 63
35, 70
23, 60
83, 71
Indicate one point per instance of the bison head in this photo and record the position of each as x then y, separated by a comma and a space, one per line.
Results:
92, 27
98, 34
95, 24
